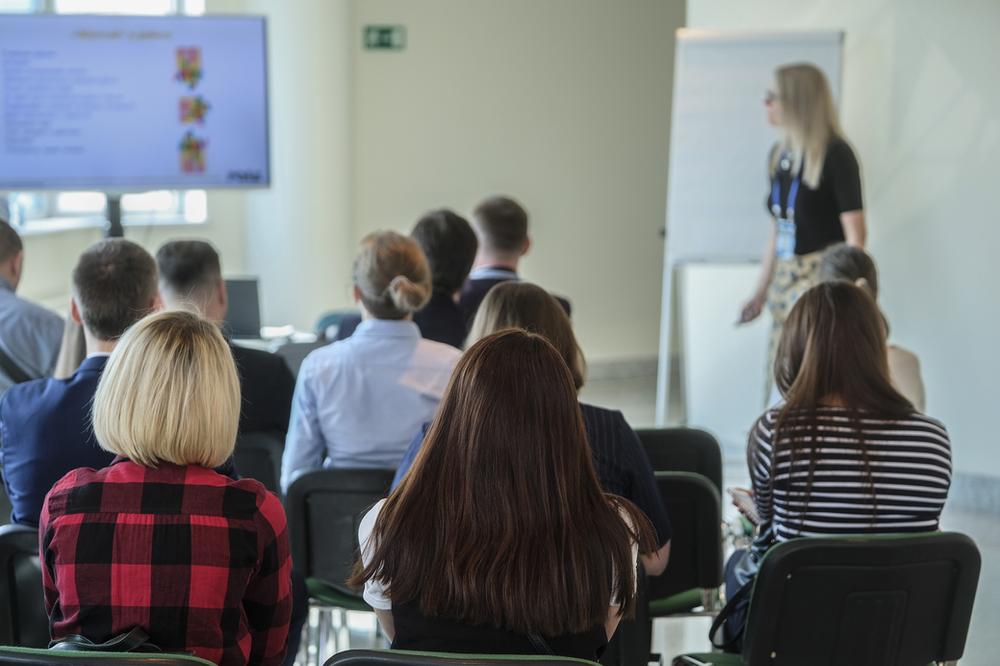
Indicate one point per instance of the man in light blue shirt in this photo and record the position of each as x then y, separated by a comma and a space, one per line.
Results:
30, 335
358, 402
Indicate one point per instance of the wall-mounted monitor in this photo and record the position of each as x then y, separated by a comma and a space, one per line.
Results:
123, 103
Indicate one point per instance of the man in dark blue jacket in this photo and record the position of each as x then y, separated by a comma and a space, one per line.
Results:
45, 425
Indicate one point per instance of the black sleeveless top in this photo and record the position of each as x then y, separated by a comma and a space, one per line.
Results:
416, 631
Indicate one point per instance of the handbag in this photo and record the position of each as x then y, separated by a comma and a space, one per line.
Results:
135, 640
741, 574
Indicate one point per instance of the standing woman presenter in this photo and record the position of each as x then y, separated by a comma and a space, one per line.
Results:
815, 196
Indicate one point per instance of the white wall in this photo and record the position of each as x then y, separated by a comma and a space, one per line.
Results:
299, 231
563, 104
921, 105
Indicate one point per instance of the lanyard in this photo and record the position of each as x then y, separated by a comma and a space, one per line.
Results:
793, 192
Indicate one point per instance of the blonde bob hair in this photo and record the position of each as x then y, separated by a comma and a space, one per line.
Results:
527, 306
392, 275
808, 118
170, 393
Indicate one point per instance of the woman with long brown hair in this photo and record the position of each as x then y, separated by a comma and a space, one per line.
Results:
619, 458
846, 453
500, 539
815, 195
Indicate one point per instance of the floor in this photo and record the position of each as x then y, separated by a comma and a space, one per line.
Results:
636, 398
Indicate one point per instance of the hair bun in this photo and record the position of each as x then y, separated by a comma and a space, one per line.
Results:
406, 295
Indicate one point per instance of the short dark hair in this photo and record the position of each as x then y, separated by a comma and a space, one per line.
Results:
503, 224
449, 244
10, 242
187, 266
114, 283
846, 262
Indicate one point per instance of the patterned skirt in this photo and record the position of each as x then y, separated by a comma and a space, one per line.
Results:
792, 278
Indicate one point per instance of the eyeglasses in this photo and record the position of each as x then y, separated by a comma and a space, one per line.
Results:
770, 97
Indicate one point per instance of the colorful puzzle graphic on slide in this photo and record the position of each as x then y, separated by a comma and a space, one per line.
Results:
193, 109
193, 153
189, 65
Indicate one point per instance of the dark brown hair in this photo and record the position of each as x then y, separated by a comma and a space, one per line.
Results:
10, 242
449, 244
501, 520
841, 261
114, 283
514, 304
832, 352
188, 267
502, 224
391, 273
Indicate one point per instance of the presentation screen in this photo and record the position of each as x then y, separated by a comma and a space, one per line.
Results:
132, 103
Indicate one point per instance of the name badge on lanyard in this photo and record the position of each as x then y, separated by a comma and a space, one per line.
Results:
784, 248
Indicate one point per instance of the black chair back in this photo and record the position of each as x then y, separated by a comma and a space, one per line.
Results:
23, 620
683, 450
325, 508
258, 456
295, 352
410, 658
692, 502
885, 601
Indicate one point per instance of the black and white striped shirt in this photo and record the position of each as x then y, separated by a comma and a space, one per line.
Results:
910, 460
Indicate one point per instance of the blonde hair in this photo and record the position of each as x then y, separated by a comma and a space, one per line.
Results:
527, 306
169, 393
808, 118
392, 275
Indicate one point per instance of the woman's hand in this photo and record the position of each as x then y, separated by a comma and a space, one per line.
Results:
752, 308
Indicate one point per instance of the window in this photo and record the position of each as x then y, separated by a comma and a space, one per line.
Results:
43, 211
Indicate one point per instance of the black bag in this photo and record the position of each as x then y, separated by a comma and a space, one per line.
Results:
136, 640
741, 574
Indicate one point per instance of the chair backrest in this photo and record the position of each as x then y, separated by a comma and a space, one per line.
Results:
295, 352
18, 656
23, 620
683, 450
411, 658
258, 456
325, 508
884, 600
692, 502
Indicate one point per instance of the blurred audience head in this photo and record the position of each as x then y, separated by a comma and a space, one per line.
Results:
191, 279
501, 225
450, 245
169, 393
527, 306
11, 254
846, 262
391, 276
833, 351
114, 285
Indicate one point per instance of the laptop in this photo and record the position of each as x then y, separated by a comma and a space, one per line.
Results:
243, 316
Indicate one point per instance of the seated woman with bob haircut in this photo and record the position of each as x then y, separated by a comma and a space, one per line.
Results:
500, 537
620, 461
158, 540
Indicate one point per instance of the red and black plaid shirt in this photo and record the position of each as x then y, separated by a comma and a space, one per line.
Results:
199, 561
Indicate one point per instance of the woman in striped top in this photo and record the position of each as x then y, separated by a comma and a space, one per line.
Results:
853, 456
846, 453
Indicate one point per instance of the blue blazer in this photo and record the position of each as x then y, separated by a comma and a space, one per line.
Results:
46, 432
475, 291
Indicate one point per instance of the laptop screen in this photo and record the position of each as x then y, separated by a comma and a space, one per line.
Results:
243, 316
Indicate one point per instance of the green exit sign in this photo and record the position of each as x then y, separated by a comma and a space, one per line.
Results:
385, 37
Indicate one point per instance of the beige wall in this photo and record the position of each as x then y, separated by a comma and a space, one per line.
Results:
563, 104
921, 105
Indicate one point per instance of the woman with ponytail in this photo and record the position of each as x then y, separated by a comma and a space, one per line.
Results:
359, 401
